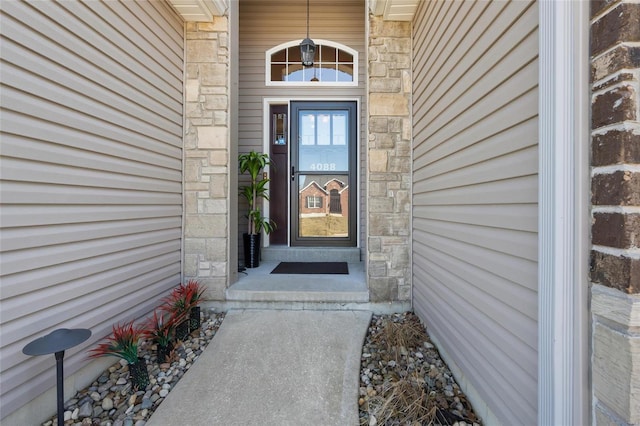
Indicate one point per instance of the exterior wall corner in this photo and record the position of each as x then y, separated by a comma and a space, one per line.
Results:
389, 160
207, 206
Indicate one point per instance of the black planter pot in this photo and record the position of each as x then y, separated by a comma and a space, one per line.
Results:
164, 353
182, 330
251, 250
139, 374
194, 319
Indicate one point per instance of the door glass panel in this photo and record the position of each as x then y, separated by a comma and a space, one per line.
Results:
323, 141
323, 205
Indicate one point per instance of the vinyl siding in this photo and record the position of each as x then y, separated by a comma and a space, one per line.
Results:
91, 175
264, 25
475, 188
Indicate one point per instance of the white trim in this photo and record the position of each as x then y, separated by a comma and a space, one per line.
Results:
318, 42
217, 7
394, 10
563, 396
377, 7
200, 10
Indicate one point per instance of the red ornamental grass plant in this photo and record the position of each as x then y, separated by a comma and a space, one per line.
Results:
177, 304
184, 297
159, 329
194, 292
123, 343
182, 304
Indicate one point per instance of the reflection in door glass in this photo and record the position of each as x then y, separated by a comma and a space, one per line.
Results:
323, 141
324, 129
323, 206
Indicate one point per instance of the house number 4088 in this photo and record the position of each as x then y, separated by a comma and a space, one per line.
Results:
322, 166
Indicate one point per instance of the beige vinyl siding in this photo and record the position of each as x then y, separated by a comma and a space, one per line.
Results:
475, 194
264, 25
91, 175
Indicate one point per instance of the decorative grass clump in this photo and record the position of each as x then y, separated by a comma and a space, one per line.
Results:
404, 401
396, 336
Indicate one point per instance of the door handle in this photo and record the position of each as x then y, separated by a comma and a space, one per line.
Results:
293, 173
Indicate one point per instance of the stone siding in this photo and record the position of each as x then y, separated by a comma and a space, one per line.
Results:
206, 160
615, 197
389, 161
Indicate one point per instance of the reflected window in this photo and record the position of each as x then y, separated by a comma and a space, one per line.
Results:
314, 202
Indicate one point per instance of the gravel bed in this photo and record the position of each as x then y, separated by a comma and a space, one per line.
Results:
110, 400
403, 380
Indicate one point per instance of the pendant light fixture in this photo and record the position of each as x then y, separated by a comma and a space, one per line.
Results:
307, 47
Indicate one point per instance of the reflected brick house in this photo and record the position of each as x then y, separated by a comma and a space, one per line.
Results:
330, 198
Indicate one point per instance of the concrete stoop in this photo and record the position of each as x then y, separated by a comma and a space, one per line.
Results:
258, 288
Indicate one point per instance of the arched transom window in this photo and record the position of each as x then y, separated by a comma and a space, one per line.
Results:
334, 65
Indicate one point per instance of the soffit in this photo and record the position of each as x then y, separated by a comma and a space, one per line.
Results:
394, 10
199, 10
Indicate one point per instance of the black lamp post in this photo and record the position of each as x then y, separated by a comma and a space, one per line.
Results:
307, 46
56, 343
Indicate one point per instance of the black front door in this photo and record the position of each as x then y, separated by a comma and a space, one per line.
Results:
323, 186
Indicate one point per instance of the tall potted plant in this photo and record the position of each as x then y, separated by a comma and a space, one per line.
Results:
254, 163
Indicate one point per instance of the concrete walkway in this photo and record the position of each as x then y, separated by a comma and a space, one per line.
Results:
273, 368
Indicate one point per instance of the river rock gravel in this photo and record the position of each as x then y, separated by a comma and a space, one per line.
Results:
420, 367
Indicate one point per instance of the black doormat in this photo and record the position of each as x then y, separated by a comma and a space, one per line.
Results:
311, 268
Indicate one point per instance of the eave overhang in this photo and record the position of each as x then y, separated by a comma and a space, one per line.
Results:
199, 10
394, 10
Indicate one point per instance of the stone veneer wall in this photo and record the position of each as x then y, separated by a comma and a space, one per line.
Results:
615, 255
206, 159
389, 160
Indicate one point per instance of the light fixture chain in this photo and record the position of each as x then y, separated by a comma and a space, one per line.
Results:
307, 18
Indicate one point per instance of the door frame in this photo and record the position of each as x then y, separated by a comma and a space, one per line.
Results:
352, 176
286, 100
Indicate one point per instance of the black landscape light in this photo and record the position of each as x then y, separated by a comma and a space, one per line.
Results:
56, 343
307, 46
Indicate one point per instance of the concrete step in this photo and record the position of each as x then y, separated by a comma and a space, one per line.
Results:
259, 285
310, 254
